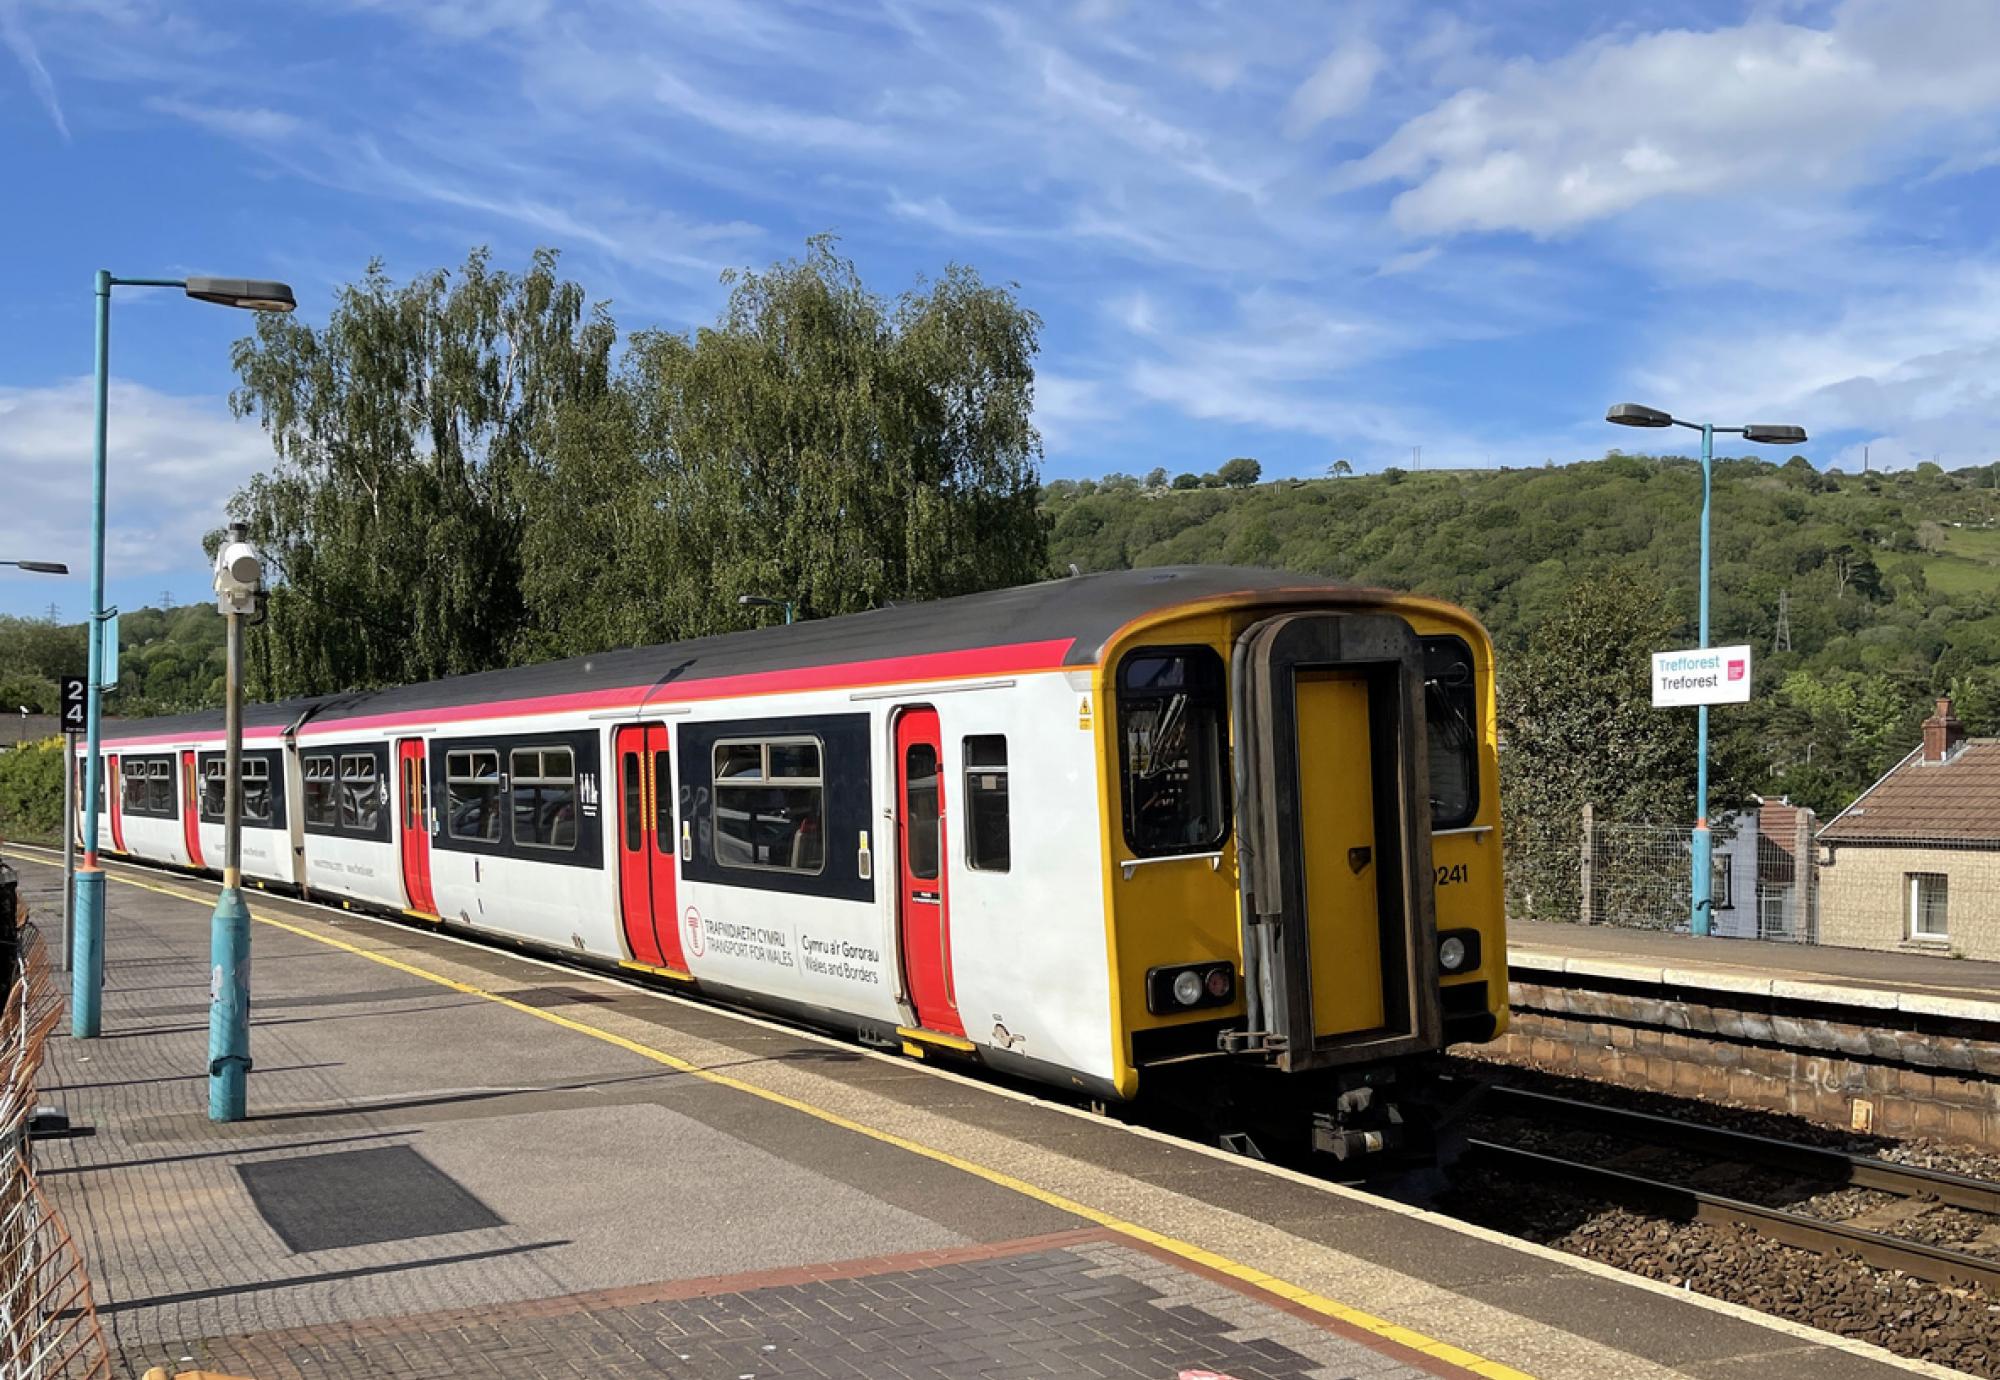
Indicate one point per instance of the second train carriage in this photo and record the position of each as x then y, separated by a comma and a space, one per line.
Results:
1086, 830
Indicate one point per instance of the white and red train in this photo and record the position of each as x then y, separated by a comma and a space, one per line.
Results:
1081, 830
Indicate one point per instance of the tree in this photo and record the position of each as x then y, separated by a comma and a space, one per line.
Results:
1156, 478
1340, 468
817, 443
405, 429
1211, 480
1239, 473
1187, 481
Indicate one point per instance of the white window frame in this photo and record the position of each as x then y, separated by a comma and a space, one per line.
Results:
719, 783
518, 779
1915, 910
461, 768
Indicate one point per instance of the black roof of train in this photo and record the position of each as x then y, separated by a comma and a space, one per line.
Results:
1084, 610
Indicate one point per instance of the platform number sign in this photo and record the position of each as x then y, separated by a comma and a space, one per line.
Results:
75, 705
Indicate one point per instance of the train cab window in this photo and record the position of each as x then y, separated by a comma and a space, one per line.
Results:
542, 784
1451, 724
360, 795
472, 795
768, 805
322, 792
1170, 750
256, 790
988, 843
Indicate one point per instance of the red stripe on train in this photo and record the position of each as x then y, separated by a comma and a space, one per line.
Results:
978, 661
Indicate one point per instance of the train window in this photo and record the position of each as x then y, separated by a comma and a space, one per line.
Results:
160, 787
1170, 750
214, 781
360, 796
322, 792
542, 784
663, 805
1451, 726
922, 809
635, 825
988, 841
256, 790
768, 805
472, 795
132, 784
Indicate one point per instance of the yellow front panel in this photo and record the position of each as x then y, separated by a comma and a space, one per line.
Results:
1337, 829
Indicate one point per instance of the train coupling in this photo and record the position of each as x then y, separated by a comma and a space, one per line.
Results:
1362, 1123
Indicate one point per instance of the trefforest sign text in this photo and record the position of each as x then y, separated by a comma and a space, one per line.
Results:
1708, 675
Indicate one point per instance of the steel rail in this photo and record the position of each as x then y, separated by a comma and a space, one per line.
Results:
1862, 1171
1919, 1259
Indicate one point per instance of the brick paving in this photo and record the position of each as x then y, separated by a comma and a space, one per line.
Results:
1090, 1306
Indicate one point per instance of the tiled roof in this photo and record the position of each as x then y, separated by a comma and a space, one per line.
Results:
1956, 800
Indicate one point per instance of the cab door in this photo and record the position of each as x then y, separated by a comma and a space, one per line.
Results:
416, 826
924, 892
191, 809
646, 845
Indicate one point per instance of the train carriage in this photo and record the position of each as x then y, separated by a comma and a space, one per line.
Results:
1098, 831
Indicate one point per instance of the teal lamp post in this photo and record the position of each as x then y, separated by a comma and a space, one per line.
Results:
1701, 903
87, 977
765, 601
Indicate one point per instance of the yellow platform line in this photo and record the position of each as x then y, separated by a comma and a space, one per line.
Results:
1186, 1250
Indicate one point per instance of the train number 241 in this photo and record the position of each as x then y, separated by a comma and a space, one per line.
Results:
1448, 876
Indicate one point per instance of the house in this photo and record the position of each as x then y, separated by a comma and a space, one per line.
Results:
1914, 862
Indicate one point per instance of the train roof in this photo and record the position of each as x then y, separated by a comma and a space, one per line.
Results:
1062, 622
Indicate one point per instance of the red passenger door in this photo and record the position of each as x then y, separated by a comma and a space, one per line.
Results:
923, 898
191, 808
114, 791
416, 819
646, 843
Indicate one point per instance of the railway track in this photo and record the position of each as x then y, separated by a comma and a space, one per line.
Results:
1919, 1259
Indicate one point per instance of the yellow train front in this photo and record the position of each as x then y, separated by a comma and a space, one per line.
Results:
1302, 832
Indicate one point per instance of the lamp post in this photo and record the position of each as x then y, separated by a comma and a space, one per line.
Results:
1702, 843
87, 975
765, 601
239, 582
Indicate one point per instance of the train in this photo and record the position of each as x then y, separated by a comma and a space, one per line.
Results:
1183, 827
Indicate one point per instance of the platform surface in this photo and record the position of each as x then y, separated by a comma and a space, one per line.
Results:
460, 1161
1866, 970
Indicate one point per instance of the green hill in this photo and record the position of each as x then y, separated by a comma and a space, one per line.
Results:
169, 660
1892, 581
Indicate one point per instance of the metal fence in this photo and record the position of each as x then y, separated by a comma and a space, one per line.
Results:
1764, 882
48, 1323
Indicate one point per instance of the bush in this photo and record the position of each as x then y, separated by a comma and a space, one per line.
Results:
31, 790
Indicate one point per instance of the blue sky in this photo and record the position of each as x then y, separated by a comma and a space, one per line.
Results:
1300, 232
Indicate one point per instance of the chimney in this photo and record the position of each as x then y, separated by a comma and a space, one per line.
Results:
1942, 733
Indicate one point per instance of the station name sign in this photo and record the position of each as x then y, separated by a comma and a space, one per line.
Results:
1704, 675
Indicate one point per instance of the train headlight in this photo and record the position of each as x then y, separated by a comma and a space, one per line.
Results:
1188, 988
1458, 952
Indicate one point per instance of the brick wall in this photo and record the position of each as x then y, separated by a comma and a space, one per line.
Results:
1864, 897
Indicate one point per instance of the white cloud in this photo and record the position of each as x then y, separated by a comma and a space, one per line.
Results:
1339, 84
30, 58
173, 463
1760, 108
252, 124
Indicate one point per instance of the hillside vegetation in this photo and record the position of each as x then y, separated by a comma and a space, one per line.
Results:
1893, 580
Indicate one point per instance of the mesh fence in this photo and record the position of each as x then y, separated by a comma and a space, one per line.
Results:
48, 1324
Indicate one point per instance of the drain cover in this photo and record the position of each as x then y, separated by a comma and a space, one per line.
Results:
355, 1197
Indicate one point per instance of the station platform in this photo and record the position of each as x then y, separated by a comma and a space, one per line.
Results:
1919, 983
463, 1161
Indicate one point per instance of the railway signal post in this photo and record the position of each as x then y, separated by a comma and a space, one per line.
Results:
239, 583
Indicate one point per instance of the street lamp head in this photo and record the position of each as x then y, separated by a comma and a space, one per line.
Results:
40, 567
252, 294
1776, 435
1632, 414
757, 601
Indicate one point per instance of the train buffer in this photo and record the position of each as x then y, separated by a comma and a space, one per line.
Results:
459, 1161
